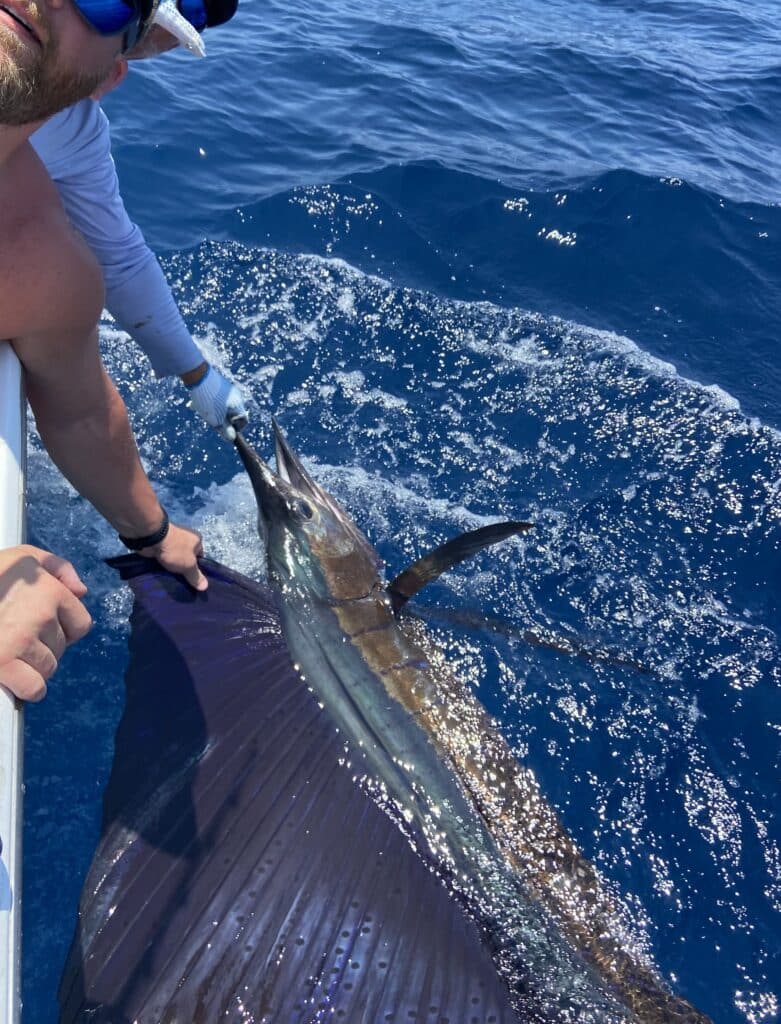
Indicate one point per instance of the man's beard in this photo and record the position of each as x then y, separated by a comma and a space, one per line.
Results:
34, 90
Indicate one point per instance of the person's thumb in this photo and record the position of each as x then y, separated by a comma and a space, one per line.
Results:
63, 571
196, 578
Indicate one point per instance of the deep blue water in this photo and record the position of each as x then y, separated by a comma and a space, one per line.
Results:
519, 261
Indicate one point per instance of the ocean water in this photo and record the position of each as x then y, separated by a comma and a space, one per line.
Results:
520, 261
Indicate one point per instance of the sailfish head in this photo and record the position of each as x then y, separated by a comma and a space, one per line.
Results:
311, 542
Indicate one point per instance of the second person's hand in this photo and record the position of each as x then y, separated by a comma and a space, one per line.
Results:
40, 615
217, 400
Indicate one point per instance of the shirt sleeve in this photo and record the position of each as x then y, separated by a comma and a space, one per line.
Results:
75, 147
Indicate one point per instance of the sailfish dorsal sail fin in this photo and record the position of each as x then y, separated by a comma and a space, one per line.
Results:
444, 557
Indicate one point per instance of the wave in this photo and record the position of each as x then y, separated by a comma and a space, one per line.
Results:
693, 278
535, 97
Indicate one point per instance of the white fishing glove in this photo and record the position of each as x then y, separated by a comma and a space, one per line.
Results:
219, 402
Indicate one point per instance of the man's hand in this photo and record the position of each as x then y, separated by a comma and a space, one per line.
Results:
40, 615
217, 400
179, 552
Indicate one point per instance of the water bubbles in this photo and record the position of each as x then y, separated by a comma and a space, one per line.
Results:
520, 205
565, 238
758, 1007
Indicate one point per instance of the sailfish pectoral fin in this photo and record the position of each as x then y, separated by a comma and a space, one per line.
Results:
541, 636
444, 557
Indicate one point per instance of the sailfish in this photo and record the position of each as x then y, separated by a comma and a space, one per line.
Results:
311, 818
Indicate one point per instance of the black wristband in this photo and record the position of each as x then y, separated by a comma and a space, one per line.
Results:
138, 543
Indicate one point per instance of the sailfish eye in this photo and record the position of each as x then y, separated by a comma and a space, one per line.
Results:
302, 509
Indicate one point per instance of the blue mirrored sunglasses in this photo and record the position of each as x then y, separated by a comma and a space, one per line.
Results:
132, 17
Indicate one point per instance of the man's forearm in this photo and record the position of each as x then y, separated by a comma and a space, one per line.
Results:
142, 304
94, 448
84, 425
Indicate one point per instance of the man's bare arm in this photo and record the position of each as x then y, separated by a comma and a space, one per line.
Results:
52, 296
84, 425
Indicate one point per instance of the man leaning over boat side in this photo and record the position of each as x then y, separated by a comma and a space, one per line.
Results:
75, 147
51, 298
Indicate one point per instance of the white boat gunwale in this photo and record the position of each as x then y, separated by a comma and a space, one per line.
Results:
12, 531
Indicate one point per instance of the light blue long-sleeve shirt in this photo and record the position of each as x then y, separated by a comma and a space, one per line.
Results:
75, 147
